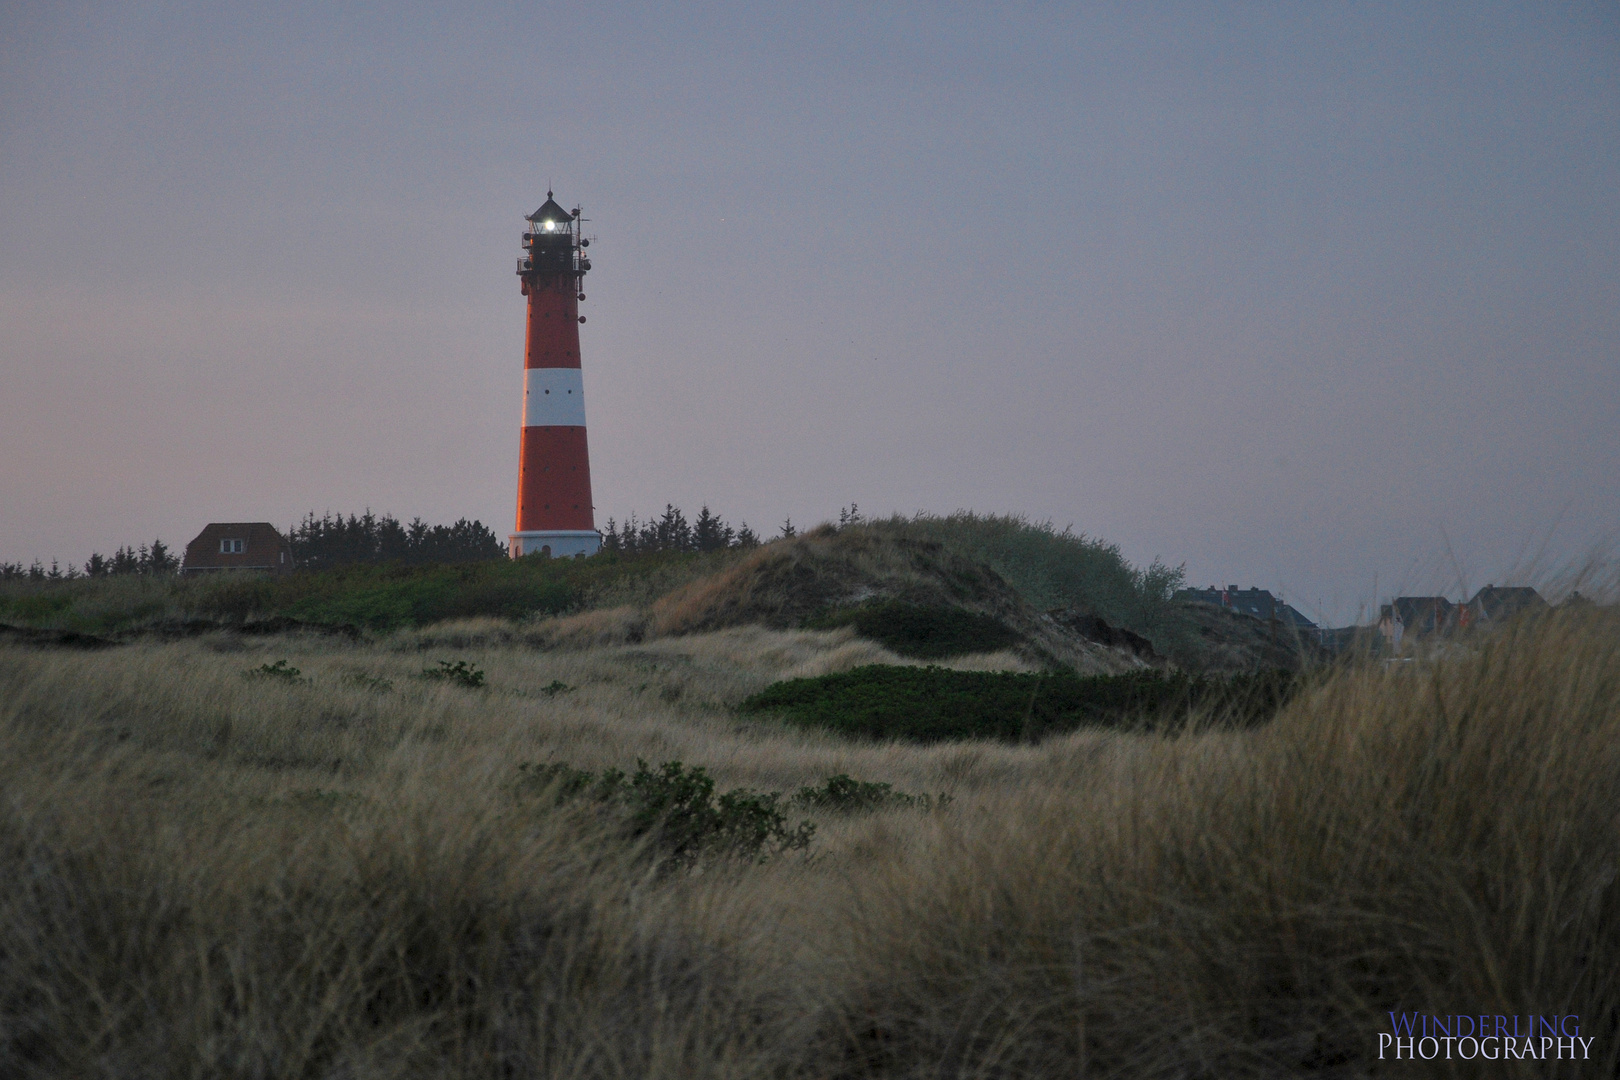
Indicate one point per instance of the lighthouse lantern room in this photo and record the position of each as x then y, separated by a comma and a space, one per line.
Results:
554, 512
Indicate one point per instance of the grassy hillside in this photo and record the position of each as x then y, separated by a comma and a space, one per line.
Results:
896, 581
914, 594
1053, 568
345, 871
925, 587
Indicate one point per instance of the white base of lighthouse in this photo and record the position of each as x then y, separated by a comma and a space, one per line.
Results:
557, 543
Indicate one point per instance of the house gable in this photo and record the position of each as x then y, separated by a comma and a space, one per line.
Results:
239, 545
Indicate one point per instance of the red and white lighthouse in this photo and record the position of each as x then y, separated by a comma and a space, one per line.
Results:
554, 512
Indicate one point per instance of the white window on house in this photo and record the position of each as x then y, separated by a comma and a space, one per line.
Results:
232, 547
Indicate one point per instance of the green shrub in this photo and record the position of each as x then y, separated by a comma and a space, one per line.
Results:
845, 794
925, 632
677, 807
277, 672
461, 673
934, 704
98, 605
40, 607
388, 596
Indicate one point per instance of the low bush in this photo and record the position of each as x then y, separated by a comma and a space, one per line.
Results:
936, 704
460, 673
926, 632
676, 806
845, 794
279, 671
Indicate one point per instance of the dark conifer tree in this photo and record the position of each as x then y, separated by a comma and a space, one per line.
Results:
709, 533
672, 532
160, 560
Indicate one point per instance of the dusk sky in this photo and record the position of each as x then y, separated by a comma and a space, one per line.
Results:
1321, 297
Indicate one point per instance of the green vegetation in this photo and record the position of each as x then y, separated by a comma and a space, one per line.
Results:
372, 596
1055, 569
927, 632
459, 673
358, 583
937, 704
670, 531
393, 595
847, 795
935, 587
276, 672
676, 807
127, 560
319, 543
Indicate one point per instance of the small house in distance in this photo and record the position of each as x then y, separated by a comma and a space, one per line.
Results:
238, 545
1497, 603
1416, 616
1411, 617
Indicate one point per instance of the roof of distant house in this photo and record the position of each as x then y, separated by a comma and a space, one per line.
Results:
1500, 601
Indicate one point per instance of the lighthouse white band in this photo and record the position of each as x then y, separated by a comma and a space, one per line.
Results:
553, 397
558, 543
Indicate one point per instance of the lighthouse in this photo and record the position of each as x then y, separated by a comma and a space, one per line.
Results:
554, 513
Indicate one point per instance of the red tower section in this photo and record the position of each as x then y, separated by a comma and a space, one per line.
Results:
554, 512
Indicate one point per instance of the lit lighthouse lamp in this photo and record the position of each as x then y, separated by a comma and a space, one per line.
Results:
554, 512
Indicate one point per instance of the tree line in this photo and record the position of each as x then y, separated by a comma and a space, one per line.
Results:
670, 531
156, 559
333, 540
317, 543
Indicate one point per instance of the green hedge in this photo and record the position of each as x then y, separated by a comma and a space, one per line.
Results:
377, 596
936, 704
921, 631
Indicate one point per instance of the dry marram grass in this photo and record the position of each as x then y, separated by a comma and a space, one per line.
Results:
208, 875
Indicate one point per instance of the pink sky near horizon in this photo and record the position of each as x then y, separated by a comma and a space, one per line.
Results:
1321, 299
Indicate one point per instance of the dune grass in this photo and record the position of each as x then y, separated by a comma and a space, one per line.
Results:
1054, 568
204, 874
